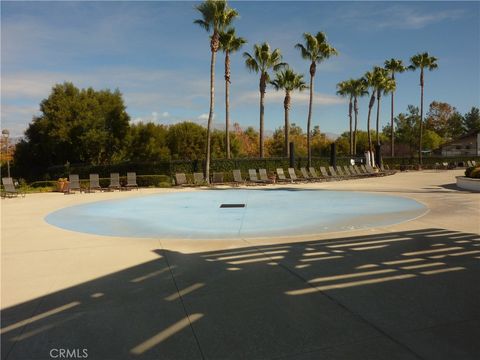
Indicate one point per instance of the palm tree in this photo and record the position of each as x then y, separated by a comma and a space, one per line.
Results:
370, 81
216, 16
316, 49
345, 88
229, 43
422, 61
383, 85
393, 66
359, 89
289, 81
261, 62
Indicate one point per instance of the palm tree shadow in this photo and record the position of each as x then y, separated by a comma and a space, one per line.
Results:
265, 301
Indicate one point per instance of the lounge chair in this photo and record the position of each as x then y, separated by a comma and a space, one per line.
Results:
217, 178
131, 180
253, 178
181, 179
198, 179
306, 175
293, 175
325, 174
334, 173
9, 189
474, 163
371, 171
237, 177
264, 176
115, 181
73, 183
281, 176
94, 183
340, 172
354, 170
313, 173
469, 163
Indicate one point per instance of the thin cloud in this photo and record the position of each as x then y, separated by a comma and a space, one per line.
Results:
303, 98
398, 17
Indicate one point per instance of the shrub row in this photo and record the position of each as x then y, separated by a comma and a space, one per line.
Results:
169, 168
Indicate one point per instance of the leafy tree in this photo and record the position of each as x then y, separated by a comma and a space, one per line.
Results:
471, 120
216, 16
393, 66
315, 49
407, 125
261, 62
247, 140
186, 141
229, 43
438, 119
148, 142
289, 81
275, 144
422, 61
76, 126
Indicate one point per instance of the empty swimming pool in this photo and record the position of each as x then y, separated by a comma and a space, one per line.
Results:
236, 213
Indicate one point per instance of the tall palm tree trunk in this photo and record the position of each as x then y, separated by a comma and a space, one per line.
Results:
392, 131
309, 120
227, 104
370, 106
355, 109
286, 106
350, 106
263, 86
214, 46
379, 94
421, 119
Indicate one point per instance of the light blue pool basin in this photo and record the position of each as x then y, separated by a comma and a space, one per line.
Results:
267, 213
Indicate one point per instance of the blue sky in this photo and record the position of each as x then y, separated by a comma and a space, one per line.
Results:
159, 59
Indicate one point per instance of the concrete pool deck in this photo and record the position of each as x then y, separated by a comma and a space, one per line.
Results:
405, 291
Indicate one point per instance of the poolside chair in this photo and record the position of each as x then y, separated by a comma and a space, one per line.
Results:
347, 170
340, 172
114, 181
181, 179
131, 180
306, 175
354, 171
199, 179
9, 189
371, 171
313, 173
469, 163
73, 183
264, 176
293, 175
474, 163
237, 177
325, 174
334, 174
253, 178
217, 178
281, 176
94, 183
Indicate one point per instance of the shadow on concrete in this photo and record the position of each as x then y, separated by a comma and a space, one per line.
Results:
396, 295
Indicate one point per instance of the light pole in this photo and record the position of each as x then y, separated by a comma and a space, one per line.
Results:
6, 134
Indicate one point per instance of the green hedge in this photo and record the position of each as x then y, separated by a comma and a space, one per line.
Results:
170, 168
429, 162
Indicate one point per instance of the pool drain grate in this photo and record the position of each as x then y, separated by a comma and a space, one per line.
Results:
232, 205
